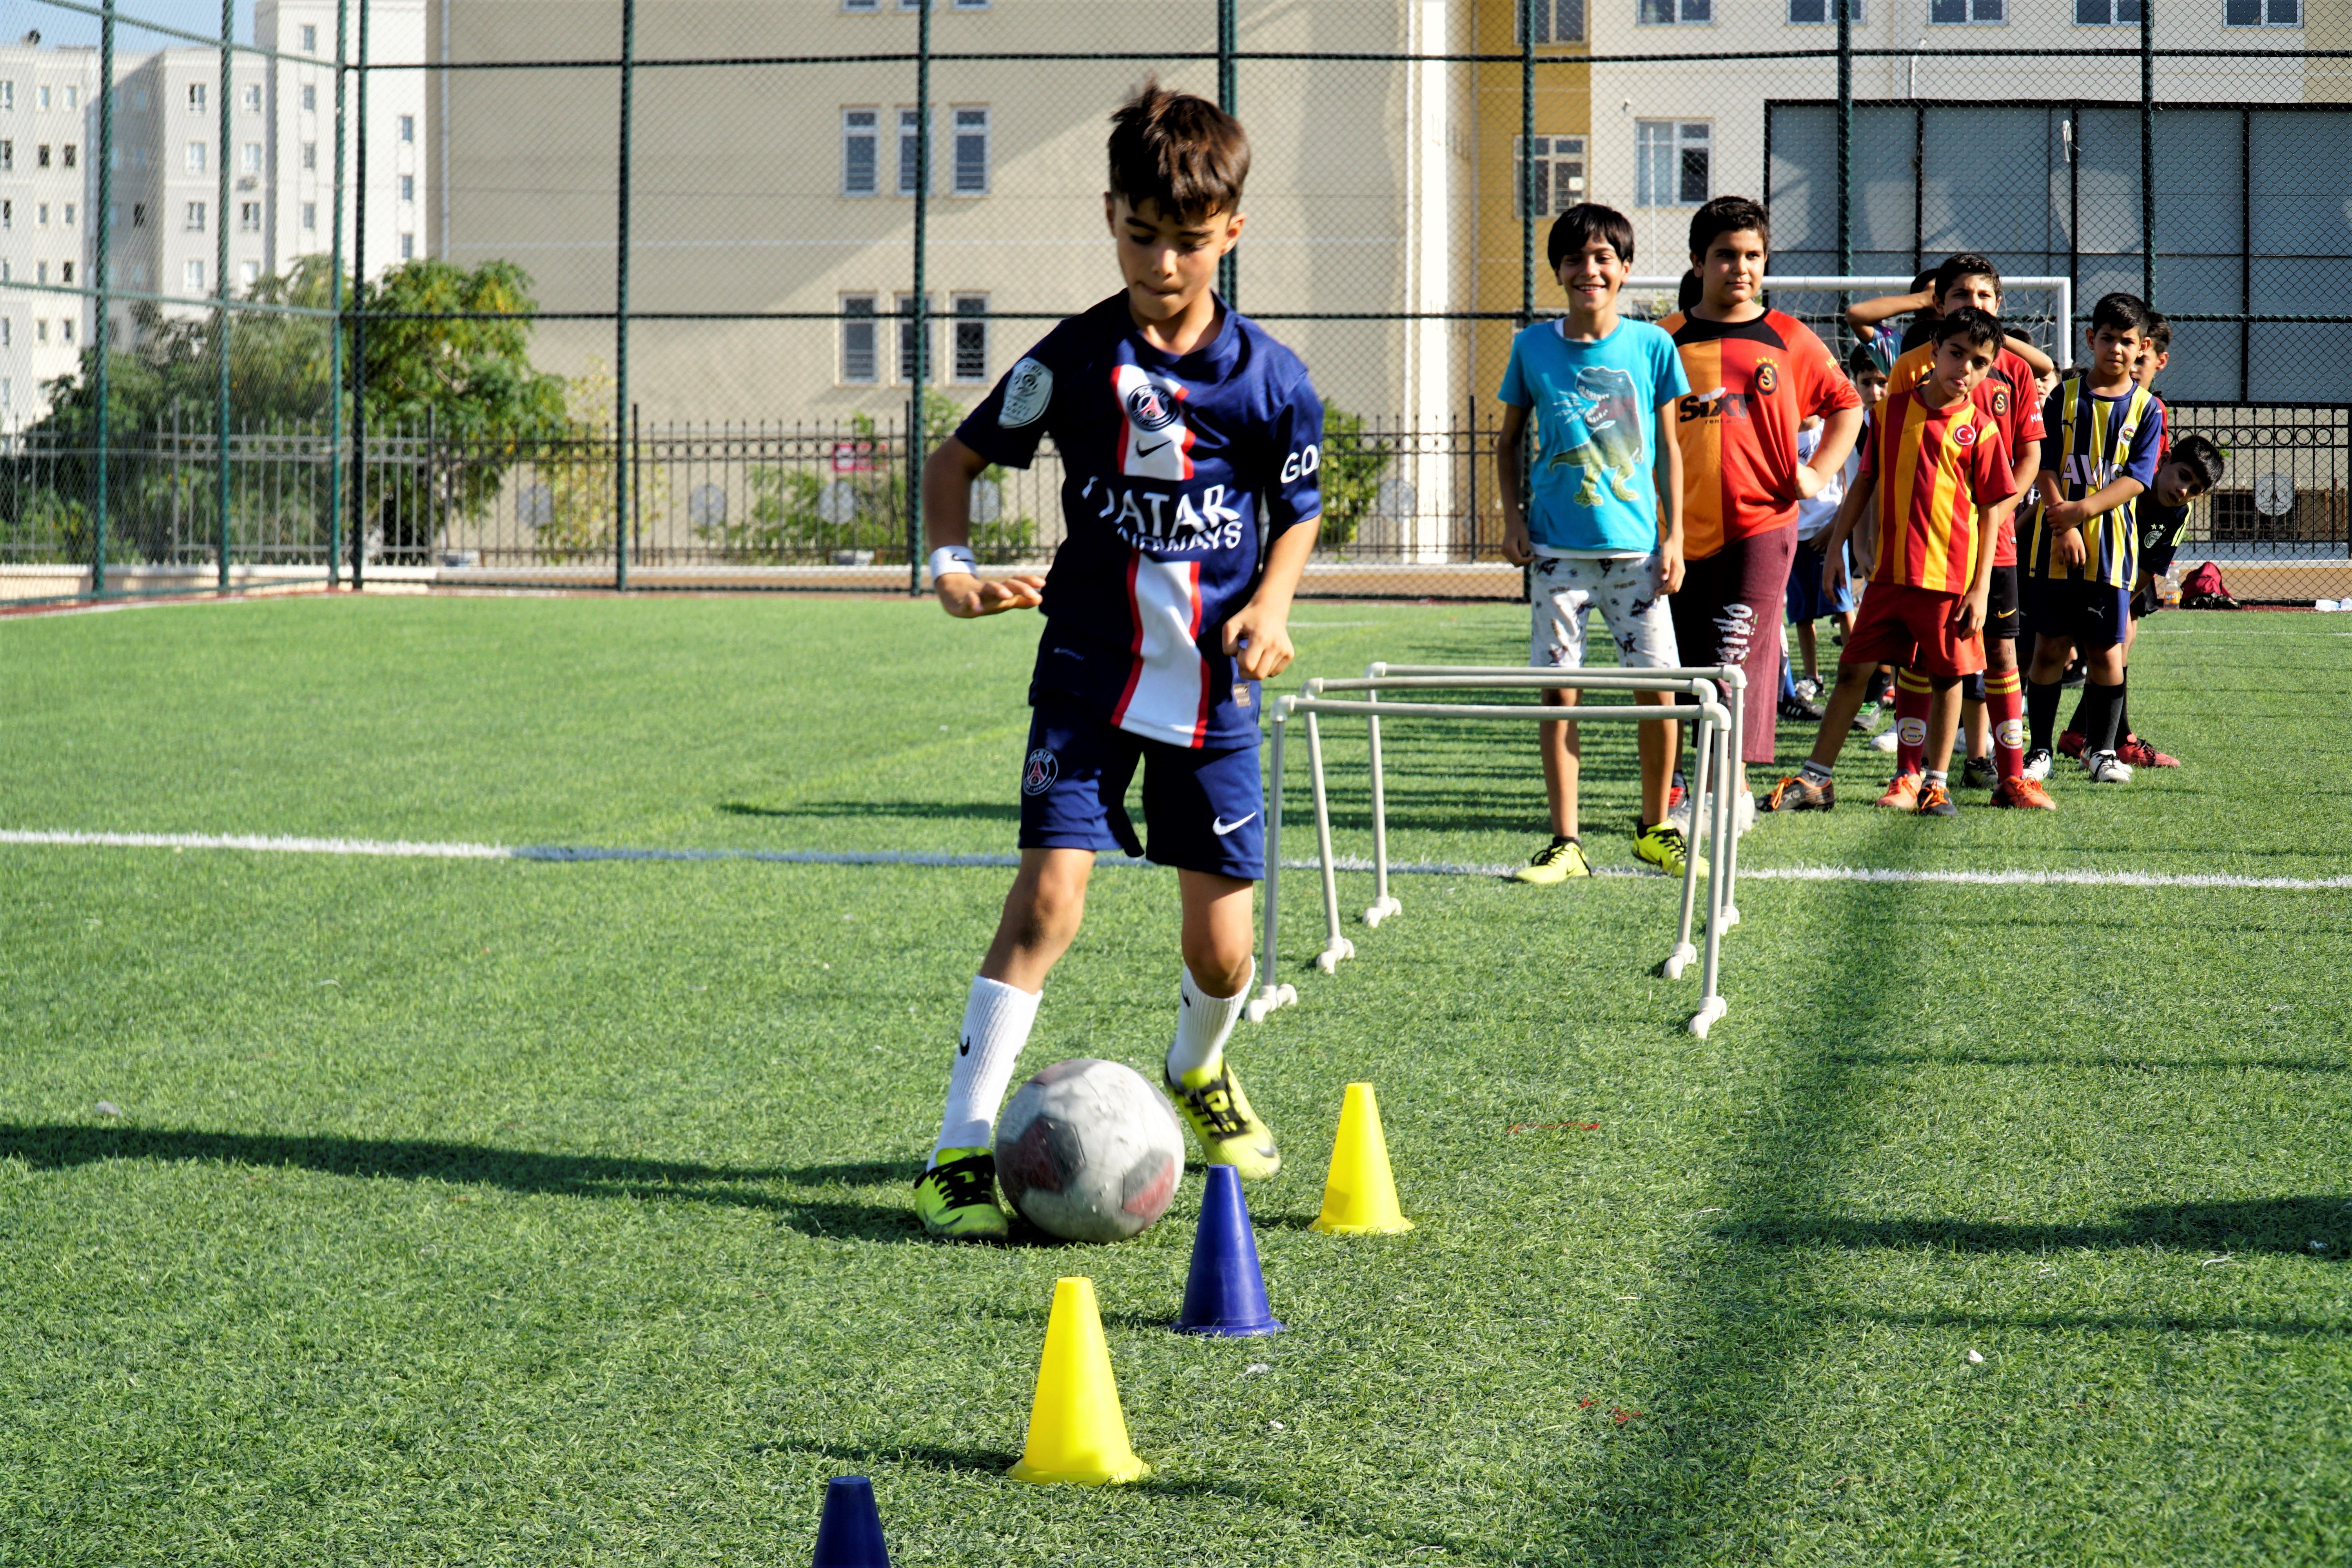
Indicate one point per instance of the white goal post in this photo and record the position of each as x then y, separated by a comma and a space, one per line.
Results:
1714, 700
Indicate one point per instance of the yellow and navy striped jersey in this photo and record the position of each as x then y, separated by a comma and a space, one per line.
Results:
2092, 441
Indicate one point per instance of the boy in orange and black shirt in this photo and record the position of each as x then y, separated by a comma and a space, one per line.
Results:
1937, 469
1756, 376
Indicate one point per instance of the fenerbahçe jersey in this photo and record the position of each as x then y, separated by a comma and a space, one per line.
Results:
1172, 466
2094, 441
1753, 386
1933, 468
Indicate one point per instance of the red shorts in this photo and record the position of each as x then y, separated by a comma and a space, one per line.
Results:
1912, 627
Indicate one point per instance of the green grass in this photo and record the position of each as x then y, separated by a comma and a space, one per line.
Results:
510, 1212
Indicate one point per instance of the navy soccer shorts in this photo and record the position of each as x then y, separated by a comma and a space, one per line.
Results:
1205, 807
2092, 616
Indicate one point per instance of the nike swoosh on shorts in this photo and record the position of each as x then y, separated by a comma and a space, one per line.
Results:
1219, 826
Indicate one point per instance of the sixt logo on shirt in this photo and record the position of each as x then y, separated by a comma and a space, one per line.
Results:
1153, 520
1720, 403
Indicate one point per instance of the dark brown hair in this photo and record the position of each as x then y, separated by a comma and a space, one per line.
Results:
2159, 331
1728, 215
1965, 264
1972, 326
1179, 150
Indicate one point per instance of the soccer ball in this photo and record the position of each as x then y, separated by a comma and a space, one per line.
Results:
1089, 1151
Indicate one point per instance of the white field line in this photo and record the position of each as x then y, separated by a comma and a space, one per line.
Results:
412, 850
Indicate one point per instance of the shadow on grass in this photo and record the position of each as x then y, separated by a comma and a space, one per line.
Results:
2073, 1063
902, 810
64, 1145
2095, 1322
2250, 1225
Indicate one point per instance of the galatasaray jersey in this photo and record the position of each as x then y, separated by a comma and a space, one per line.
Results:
1171, 467
1933, 468
1753, 385
2008, 394
2094, 441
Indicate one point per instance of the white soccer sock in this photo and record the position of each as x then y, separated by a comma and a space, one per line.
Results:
996, 1022
1203, 1022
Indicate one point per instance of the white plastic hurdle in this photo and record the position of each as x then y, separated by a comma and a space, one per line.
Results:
1715, 729
1728, 679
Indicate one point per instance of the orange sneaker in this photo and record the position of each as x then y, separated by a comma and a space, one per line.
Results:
1935, 799
1902, 792
2022, 794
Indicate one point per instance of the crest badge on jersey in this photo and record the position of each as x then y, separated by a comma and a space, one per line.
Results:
2000, 403
1154, 441
1964, 434
1027, 391
1768, 377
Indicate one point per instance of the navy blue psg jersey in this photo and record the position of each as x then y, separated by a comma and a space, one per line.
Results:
1177, 471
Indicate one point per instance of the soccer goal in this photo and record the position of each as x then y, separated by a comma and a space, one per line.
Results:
2027, 303
1713, 708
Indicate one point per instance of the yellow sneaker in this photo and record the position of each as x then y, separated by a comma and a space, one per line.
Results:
1555, 862
1661, 845
1229, 1131
956, 1198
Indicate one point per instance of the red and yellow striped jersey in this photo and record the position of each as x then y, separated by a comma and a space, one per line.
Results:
2009, 394
1753, 386
1932, 468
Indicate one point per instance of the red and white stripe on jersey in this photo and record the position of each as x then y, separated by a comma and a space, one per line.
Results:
1154, 442
1167, 694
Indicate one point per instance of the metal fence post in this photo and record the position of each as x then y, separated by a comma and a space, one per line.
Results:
101, 276
359, 321
335, 327
2147, 151
1527, 161
1845, 141
621, 307
1229, 273
220, 292
914, 320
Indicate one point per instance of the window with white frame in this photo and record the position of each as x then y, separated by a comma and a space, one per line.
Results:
310, 38
7, 155
7, 97
2107, 13
195, 95
1804, 13
248, 218
1675, 13
1673, 162
1556, 21
968, 354
40, 272
248, 273
65, 330
65, 273
192, 277
193, 221
73, 97
1968, 13
310, 99
310, 154
69, 156
1558, 176
860, 361
409, 247
972, 150
6, 334
248, 98
248, 158
909, 151
868, 5
41, 98
906, 340
407, 188
192, 159
40, 214
310, 216
70, 214
41, 156
405, 126
7, 214
2262, 13
41, 330
860, 148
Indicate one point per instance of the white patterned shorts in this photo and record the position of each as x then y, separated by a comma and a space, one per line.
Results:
1563, 589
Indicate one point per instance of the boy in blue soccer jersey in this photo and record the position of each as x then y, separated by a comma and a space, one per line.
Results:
1190, 441
1602, 520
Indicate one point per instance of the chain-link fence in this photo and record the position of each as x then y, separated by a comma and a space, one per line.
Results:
599, 293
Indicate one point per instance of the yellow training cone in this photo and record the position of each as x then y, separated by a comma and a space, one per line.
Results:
1075, 1431
1359, 1197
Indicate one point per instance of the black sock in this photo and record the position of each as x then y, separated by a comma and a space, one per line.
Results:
2106, 706
2041, 712
2081, 713
2123, 709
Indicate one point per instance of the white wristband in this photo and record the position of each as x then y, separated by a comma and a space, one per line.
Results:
950, 558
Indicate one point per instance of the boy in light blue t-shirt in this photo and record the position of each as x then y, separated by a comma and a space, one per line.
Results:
1603, 526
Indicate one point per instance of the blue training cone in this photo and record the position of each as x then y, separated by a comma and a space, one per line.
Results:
849, 1534
1225, 1292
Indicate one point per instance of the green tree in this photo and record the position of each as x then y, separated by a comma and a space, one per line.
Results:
1353, 464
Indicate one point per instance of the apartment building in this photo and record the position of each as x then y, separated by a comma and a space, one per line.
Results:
166, 218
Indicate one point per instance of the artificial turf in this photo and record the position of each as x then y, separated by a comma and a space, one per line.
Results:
532, 1212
